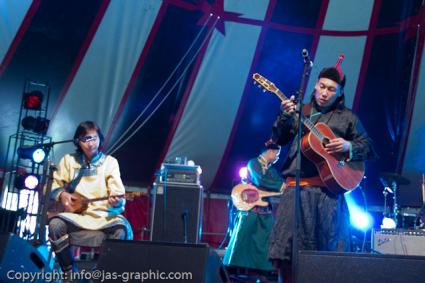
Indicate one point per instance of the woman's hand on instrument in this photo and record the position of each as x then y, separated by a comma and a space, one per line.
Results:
337, 145
288, 105
67, 199
115, 200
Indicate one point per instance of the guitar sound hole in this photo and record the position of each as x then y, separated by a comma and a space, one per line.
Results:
250, 196
325, 141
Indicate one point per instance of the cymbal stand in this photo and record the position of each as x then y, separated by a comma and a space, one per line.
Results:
423, 189
396, 210
385, 193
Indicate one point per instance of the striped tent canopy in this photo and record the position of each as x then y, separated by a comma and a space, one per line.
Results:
168, 78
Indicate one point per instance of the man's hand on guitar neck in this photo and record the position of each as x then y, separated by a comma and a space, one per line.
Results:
67, 200
288, 105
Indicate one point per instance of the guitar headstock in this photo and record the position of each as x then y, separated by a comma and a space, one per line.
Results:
264, 83
133, 195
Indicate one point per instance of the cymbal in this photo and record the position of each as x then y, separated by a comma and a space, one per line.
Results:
390, 177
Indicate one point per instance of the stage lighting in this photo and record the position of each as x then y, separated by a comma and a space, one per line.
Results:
243, 173
38, 125
35, 153
33, 100
26, 181
359, 219
388, 223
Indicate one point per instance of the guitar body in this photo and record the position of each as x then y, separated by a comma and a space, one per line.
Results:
338, 175
247, 196
79, 205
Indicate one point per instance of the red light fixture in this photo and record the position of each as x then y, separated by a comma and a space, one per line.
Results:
33, 100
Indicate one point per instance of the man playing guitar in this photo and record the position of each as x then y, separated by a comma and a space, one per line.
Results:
324, 221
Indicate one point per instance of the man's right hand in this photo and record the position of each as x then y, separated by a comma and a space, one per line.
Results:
288, 105
67, 200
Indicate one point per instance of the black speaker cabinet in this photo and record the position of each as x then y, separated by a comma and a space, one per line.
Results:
176, 213
149, 261
18, 256
330, 267
8, 219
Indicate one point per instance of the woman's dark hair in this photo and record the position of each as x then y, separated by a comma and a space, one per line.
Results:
82, 130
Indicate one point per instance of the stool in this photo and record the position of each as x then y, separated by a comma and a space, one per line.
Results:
84, 239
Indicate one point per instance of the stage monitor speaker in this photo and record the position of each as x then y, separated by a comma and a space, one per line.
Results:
399, 242
149, 261
17, 256
9, 218
331, 267
177, 213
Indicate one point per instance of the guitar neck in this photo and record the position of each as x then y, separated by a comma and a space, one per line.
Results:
102, 198
269, 194
268, 85
307, 122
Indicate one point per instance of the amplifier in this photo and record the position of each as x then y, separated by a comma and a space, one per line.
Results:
180, 174
176, 213
399, 241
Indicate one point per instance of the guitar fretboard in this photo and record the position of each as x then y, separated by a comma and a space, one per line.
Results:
307, 122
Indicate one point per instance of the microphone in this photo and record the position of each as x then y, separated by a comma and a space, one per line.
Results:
307, 58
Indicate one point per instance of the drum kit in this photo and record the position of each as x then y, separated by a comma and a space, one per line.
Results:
394, 217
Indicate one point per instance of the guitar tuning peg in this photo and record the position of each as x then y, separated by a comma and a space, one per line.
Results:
264, 90
259, 86
255, 82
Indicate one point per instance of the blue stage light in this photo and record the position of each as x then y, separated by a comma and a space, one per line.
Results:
34, 153
38, 155
359, 218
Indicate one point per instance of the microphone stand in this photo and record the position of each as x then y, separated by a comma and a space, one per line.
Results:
47, 181
185, 220
49, 145
297, 215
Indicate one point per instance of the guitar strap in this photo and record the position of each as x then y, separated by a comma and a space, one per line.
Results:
307, 109
308, 113
314, 117
74, 183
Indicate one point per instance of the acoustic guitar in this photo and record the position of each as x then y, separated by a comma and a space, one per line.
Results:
246, 196
336, 173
